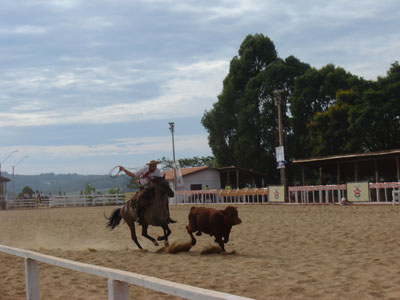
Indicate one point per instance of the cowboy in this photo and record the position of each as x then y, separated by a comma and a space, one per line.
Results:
146, 174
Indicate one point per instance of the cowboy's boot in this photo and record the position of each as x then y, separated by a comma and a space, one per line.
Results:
169, 219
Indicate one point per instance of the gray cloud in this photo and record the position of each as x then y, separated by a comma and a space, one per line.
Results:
72, 66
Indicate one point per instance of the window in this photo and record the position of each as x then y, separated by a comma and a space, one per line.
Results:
195, 187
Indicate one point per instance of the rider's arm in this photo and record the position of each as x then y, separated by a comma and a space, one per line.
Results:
127, 172
157, 173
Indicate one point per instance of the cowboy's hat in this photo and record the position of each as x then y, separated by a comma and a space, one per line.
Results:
153, 162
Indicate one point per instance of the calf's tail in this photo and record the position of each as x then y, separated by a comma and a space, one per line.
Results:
114, 219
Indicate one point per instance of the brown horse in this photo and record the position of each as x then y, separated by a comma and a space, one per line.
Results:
156, 211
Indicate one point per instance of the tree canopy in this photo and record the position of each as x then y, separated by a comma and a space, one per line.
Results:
243, 123
195, 161
325, 111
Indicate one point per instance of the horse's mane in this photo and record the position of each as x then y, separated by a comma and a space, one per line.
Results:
158, 179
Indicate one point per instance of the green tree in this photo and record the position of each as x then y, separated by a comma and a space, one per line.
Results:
314, 94
115, 190
195, 161
243, 123
375, 117
255, 54
89, 189
26, 191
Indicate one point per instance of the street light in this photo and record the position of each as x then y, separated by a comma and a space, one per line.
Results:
6, 158
172, 129
13, 167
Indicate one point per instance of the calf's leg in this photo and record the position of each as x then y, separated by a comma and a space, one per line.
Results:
218, 240
190, 231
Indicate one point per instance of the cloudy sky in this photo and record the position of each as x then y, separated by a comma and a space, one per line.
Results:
87, 85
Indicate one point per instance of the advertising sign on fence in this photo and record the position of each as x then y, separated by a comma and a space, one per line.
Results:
276, 193
358, 191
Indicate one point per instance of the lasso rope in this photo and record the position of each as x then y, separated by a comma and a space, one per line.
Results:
112, 173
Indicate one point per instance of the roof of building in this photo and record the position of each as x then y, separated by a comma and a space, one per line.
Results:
169, 175
242, 170
349, 157
4, 179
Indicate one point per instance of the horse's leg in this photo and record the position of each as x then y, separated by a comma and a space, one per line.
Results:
146, 235
167, 233
131, 225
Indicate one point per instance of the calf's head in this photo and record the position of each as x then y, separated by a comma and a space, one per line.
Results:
231, 215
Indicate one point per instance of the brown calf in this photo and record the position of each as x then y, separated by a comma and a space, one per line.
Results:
217, 223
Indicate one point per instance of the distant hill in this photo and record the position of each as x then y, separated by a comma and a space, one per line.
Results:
65, 183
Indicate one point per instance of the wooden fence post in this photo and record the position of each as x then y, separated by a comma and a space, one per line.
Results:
117, 290
32, 279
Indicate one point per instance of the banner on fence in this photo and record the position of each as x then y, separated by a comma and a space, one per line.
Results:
358, 191
276, 193
280, 157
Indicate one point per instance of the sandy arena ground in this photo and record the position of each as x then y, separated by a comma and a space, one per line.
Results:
278, 252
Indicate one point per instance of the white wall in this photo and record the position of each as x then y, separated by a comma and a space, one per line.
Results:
210, 177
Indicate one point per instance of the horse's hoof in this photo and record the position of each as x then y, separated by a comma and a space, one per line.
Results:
156, 244
166, 244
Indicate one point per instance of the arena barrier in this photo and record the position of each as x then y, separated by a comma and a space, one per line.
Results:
316, 193
382, 192
64, 201
232, 196
118, 280
396, 196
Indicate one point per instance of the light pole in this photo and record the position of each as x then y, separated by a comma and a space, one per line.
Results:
6, 158
278, 102
172, 129
14, 168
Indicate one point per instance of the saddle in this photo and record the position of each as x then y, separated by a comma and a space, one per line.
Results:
142, 198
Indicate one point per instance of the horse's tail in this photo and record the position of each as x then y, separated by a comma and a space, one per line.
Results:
114, 219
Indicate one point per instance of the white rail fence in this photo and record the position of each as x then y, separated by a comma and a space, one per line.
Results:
64, 201
251, 195
118, 280
383, 192
317, 193
396, 196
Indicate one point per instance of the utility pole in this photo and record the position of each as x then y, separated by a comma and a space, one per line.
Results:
278, 102
172, 129
13, 167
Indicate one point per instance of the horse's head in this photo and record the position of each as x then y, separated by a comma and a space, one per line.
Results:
163, 185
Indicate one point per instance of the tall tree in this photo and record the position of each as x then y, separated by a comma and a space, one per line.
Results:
314, 94
375, 117
255, 54
252, 135
195, 161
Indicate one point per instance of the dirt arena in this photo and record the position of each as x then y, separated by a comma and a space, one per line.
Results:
278, 252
